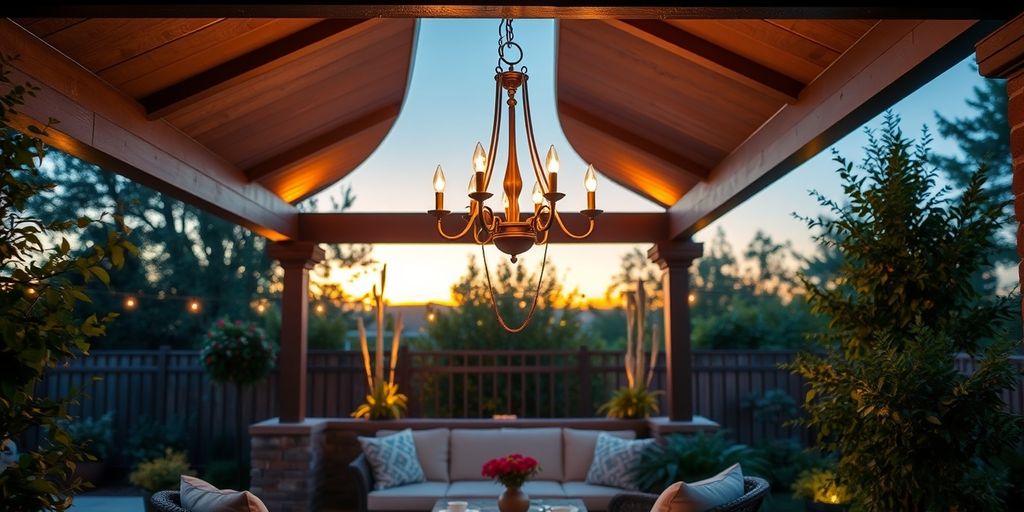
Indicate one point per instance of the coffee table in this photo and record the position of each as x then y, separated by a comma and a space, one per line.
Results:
491, 505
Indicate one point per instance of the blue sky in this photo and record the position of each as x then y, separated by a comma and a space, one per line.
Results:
448, 109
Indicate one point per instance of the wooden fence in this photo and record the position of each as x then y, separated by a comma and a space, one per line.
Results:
170, 386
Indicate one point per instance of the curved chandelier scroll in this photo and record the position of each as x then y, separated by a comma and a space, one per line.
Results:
511, 233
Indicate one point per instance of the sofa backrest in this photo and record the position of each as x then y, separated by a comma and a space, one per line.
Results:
431, 451
471, 448
579, 445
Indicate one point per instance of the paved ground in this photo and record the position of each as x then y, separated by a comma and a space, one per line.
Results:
107, 504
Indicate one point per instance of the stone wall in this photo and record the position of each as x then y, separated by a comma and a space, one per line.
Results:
286, 470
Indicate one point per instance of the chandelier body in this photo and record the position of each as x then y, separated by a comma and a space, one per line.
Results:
510, 232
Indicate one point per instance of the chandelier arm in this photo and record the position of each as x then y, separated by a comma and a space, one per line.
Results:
495, 129
570, 234
543, 239
469, 225
494, 303
538, 169
540, 226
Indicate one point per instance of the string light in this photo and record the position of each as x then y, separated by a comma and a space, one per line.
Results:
319, 309
194, 306
261, 308
130, 303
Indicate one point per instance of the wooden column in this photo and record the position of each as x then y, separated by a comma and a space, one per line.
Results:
675, 259
1001, 55
296, 257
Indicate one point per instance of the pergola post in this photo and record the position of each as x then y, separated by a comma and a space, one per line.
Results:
296, 257
675, 259
1001, 55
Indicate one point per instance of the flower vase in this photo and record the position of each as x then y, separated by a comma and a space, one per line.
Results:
513, 500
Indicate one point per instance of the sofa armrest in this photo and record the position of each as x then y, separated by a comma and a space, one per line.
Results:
632, 502
360, 472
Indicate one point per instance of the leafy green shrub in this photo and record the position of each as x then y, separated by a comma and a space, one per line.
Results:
912, 433
820, 485
692, 457
161, 473
96, 435
237, 352
773, 407
630, 403
785, 459
150, 439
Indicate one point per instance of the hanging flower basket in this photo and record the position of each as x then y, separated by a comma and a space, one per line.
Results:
237, 352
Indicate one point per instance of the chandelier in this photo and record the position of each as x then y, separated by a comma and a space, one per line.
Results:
511, 233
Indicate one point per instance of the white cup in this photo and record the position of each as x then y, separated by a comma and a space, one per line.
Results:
459, 506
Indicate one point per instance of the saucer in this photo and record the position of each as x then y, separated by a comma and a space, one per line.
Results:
469, 510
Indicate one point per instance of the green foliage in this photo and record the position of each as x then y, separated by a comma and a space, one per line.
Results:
384, 403
822, 486
471, 323
96, 435
773, 407
150, 438
912, 433
237, 352
785, 460
41, 290
161, 473
693, 457
222, 473
631, 403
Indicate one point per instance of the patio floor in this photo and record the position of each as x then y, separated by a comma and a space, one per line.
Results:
107, 504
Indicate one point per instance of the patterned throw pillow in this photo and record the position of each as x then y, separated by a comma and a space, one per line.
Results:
393, 459
615, 460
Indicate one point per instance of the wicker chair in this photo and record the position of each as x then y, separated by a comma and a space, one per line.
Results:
167, 501
754, 491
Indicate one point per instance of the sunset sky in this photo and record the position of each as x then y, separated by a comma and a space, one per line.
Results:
448, 109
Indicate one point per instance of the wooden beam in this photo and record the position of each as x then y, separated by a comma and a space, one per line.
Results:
420, 228
613, 130
244, 67
103, 126
310, 148
563, 9
712, 57
892, 60
1001, 54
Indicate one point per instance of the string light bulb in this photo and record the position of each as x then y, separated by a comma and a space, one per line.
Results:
130, 303
194, 306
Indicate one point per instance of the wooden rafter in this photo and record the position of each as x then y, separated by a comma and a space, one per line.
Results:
890, 61
239, 69
420, 228
712, 57
292, 156
102, 125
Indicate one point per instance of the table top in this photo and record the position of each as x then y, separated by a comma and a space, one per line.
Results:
491, 505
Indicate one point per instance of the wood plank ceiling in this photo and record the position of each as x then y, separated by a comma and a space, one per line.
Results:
296, 104
656, 105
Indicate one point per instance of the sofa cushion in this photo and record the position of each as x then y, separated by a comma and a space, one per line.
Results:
393, 459
615, 460
431, 451
595, 497
579, 450
703, 495
199, 496
421, 496
536, 489
471, 448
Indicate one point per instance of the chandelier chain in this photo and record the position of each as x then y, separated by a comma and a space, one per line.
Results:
505, 41
494, 301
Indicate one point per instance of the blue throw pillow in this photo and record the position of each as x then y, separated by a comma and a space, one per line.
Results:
393, 459
615, 459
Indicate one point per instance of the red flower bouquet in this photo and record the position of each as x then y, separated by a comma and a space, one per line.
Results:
511, 470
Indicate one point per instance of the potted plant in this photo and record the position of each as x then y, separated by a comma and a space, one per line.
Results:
383, 401
96, 435
512, 471
820, 491
636, 400
160, 474
690, 458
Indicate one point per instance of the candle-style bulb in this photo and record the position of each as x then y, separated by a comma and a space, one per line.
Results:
439, 179
552, 164
479, 159
538, 196
590, 179
471, 187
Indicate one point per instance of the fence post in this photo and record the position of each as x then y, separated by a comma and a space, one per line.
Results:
583, 377
403, 377
162, 360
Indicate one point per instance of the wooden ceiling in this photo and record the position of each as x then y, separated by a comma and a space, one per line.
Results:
656, 105
295, 104
246, 117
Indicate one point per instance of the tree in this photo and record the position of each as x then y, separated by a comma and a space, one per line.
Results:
39, 294
911, 432
472, 325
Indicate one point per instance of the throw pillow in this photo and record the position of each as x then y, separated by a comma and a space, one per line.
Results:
431, 451
615, 459
703, 495
393, 459
199, 496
